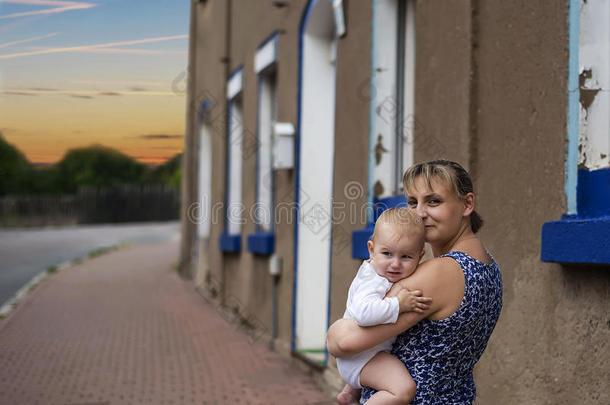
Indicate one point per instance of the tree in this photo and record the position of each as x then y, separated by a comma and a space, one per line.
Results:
97, 166
13, 168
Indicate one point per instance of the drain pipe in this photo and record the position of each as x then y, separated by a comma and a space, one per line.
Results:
275, 269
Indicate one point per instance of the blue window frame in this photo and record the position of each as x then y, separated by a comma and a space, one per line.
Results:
230, 239
262, 241
582, 235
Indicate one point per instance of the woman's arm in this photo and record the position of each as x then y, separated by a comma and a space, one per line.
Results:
346, 338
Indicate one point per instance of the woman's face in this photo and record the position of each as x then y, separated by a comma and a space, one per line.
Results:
442, 211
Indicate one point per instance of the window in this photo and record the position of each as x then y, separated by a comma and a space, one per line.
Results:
393, 95
392, 109
582, 236
230, 240
262, 241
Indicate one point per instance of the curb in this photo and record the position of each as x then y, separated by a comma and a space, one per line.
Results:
12, 303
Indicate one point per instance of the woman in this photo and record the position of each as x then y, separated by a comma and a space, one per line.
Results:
440, 346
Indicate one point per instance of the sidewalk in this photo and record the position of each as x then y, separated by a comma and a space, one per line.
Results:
123, 328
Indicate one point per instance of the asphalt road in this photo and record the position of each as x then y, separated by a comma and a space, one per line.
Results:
28, 252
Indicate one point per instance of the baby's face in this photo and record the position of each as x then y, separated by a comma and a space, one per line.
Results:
394, 256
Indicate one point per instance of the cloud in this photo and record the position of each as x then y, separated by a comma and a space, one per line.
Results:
49, 92
94, 48
59, 7
7, 44
18, 93
133, 83
158, 136
132, 51
152, 159
41, 89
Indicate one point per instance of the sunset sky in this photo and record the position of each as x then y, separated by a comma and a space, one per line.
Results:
110, 72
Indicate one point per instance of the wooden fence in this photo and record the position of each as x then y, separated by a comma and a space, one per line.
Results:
92, 205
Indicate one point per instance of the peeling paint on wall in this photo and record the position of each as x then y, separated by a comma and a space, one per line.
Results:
378, 189
587, 95
379, 150
594, 85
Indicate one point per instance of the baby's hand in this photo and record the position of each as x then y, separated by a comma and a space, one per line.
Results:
412, 301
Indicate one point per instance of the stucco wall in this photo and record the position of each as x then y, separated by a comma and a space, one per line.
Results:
210, 84
551, 343
443, 86
242, 279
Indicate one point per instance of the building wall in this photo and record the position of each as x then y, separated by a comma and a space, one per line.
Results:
240, 282
551, 343
490, 93
443, 96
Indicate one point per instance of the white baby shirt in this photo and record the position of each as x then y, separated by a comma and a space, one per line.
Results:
367, 305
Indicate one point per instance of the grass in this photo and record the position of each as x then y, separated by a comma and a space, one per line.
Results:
98, 252
52, 269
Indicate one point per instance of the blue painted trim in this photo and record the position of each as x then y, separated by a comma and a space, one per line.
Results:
372, 102
582, 238
583, 241
261, 243
205, 105
361, 236
229, 242
228, 162
383, 204
273, 37
303, 24
236, 71
573, 120
593, 193
258, 150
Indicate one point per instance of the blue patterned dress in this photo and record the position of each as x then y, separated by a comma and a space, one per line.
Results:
440, 355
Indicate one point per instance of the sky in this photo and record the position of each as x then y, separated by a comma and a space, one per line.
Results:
109, 72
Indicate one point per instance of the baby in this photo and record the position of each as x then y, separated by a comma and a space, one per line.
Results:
395, 250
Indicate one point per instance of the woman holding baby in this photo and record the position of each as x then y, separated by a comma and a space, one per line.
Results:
440, 345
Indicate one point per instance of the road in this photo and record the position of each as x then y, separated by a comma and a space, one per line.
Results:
24, 253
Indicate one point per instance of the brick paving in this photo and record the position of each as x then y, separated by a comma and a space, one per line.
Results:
123, 328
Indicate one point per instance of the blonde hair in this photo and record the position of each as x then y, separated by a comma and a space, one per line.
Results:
407, 220
448, 172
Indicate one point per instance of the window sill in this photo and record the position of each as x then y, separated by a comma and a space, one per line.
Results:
576, 240
582, 238
261, 243
362, 236
230, 242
